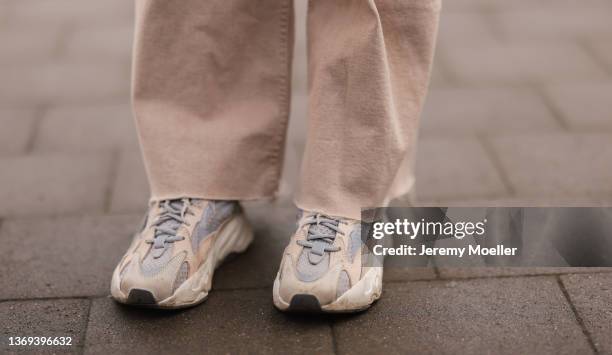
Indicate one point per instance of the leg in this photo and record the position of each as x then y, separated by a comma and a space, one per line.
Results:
369, 63
210, 95
367, 85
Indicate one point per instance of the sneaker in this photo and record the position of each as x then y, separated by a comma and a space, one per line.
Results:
171, 261
322, 269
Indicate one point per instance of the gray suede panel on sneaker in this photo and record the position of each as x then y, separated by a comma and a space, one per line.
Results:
152, 266
355, 242
214, 215
344, 283
181, 276
309, 272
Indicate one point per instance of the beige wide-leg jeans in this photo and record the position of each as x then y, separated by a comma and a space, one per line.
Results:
211, 92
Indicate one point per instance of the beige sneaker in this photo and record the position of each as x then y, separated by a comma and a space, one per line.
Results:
171, 261
323, 268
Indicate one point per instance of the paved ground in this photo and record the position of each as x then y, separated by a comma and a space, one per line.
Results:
519, 113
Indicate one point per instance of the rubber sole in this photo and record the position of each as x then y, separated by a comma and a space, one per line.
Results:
304, 304
141, 297
358, 298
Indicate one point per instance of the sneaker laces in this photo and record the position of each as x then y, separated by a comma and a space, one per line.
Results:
322, 232
166, 226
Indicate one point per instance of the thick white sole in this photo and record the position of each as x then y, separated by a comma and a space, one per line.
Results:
358, 298
234, 237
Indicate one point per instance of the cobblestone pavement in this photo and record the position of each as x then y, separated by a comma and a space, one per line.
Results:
519, 113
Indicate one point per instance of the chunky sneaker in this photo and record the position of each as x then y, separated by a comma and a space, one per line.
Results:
171, 261
324, 270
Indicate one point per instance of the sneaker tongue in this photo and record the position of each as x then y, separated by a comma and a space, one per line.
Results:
316, 257
171, 223
177, 204
321, 229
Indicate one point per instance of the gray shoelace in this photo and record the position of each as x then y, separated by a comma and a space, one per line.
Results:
321, 235
167, 224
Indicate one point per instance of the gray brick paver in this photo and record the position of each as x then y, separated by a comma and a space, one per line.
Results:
592, 297
472, 272
49, 318
585, 106
520, 64
466, 27
17, 130
455, 168
557, 164
107, 42
526, 5
603, 52
48, 184
500, 316
490, 111
82, 13
130, 191
62, 257
551, 5
31, 45
228, 322
561, 24
61, 82
86, 129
